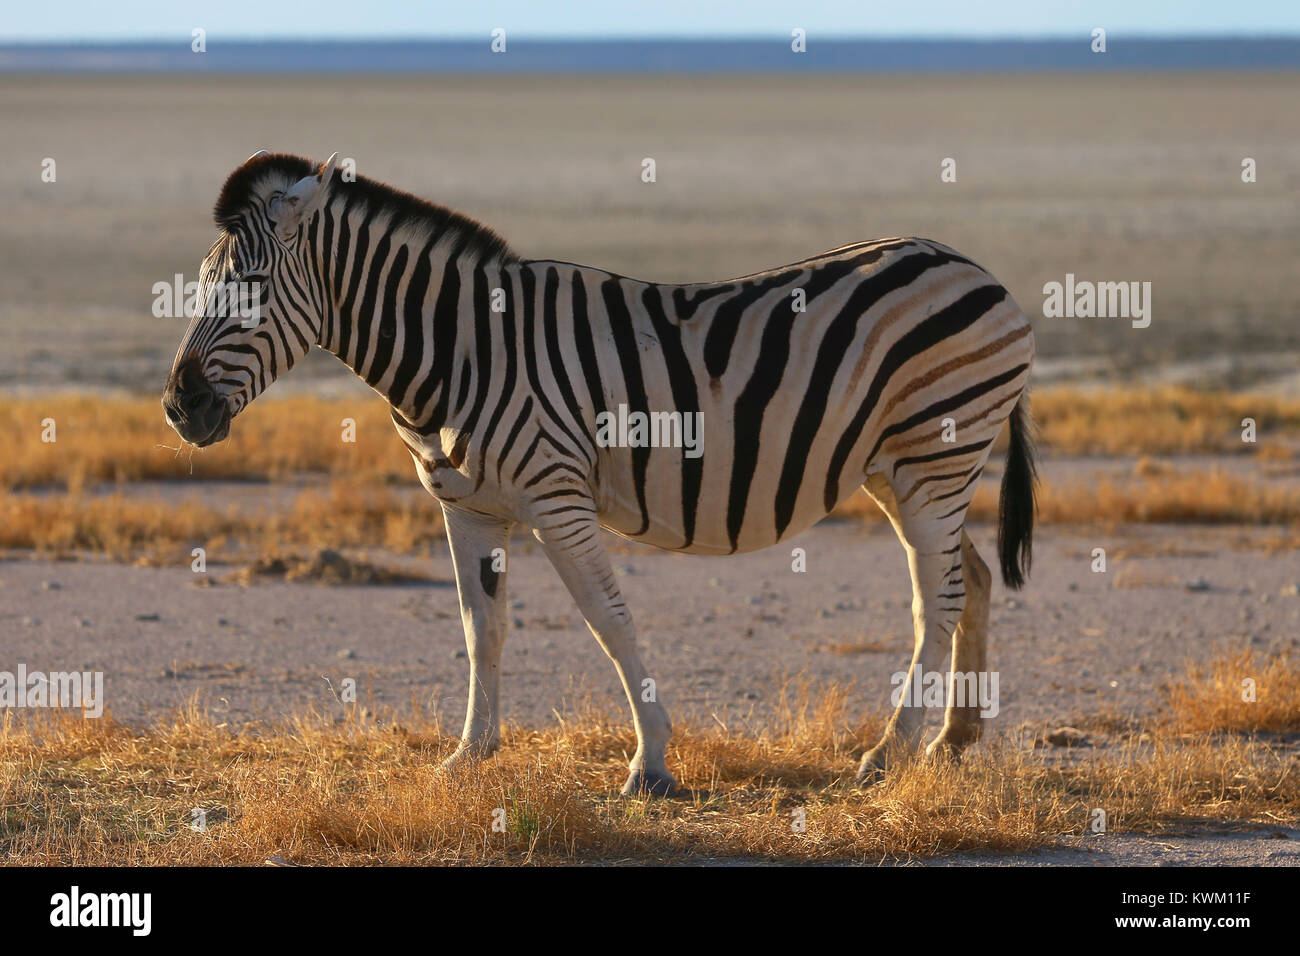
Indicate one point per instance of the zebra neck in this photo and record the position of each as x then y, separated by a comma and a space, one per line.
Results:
405, 322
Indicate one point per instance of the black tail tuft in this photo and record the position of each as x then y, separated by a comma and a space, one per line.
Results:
1017, 506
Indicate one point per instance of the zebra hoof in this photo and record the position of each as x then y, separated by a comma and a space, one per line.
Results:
646, 783
872, 770
465, 758
868, 777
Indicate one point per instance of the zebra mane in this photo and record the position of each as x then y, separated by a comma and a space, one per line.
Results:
281, 170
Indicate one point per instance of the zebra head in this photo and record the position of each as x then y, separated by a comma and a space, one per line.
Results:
260, 299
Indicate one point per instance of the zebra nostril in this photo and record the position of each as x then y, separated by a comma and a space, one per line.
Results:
197, 402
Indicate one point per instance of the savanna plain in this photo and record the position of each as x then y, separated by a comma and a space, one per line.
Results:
1121, 683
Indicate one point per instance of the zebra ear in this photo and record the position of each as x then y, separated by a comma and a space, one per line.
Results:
301, 200
260, 152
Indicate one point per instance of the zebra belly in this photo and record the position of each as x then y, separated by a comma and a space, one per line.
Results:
664, 523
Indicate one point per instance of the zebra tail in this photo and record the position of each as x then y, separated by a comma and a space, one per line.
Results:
1017, 506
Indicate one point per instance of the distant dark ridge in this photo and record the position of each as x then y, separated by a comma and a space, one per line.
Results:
657, 56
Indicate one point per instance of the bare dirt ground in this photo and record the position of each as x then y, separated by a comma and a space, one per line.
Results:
718, 634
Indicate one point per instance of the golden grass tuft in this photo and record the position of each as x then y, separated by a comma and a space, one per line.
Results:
344, 514
1152, 496
359, 791
126, 439
1210, 697
1166, 420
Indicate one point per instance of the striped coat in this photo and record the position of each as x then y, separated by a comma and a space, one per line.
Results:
891, 365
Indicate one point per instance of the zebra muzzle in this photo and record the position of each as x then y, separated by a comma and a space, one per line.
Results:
193, 407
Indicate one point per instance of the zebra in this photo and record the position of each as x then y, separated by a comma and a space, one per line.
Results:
889, 365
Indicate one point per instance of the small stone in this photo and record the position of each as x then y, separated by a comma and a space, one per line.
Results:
1291, 590
83, 622
346, 654
50, 585
516, 604
459, 654
31, 621
147, 617
750, 695
1072, 586
222, 622
519, 623
715, 582
1196, 584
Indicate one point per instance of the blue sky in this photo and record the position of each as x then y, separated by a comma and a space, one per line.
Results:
97, 20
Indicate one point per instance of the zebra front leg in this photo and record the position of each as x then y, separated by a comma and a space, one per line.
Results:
479, 545
575, 549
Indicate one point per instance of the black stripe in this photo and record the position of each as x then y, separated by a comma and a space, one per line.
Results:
555, 355
686, 400
385, 337
363, 319
414, 328
832, 353
936, 456
943, 324
629, 357
528, 286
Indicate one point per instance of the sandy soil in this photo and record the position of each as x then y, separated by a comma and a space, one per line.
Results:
718, 634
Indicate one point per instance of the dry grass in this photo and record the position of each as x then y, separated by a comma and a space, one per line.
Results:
1163, 421
120, 439
363, 791
1204, 497
344, 514
1208, 698
287, 439
126, 440
349, 513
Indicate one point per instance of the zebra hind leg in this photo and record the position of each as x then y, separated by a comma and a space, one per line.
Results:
478, 552
963, 723
579, 557
938, 603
